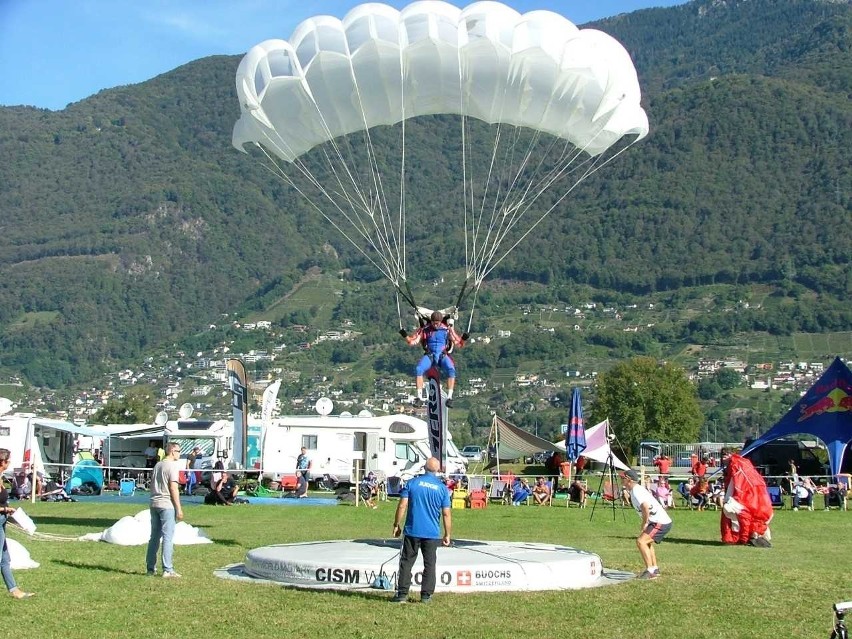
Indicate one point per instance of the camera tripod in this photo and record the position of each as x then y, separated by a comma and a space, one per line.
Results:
609, 472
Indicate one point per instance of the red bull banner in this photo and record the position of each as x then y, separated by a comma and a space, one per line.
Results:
436, 417
238, 383
824, 411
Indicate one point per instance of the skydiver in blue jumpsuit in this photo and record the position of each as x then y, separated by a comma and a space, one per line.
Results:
438, 338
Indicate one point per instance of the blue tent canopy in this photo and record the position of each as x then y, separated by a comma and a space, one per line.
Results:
825, 411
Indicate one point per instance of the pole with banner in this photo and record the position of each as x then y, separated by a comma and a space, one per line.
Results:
575, 434
238, 383
436, 417
29, 465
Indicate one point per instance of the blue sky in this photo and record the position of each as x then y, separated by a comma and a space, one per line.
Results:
54, 52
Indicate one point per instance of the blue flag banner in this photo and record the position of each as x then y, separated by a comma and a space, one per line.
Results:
575, 434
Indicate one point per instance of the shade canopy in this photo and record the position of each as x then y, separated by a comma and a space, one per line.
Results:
824, 411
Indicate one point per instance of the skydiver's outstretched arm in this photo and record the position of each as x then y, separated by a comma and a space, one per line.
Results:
414, 338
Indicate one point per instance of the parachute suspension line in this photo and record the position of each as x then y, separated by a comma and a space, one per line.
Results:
381, 264
403, 221
595, 165
399, 310
476, 224
472, 307
514, 206
467, 189
376, 238
384, 239
506, 212
395, 233
500, 224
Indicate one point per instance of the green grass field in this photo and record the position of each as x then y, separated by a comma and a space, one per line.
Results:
89, 589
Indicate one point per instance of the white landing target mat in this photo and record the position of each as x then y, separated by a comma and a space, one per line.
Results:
465, 566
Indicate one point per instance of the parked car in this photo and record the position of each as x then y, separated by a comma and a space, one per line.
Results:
473, 453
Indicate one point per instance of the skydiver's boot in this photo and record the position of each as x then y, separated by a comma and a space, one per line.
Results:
449, 401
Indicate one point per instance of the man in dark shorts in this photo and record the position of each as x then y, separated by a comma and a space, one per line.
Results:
656, 522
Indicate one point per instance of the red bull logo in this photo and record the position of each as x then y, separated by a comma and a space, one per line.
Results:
835, 401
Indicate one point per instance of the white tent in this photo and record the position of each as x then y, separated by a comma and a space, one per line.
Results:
597, 446
514, 443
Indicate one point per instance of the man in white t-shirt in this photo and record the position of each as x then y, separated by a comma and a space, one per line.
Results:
165, 511
656, 522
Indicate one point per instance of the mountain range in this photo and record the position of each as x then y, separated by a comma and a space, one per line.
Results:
128, 219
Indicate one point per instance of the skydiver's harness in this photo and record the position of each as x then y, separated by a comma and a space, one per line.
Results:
435, 357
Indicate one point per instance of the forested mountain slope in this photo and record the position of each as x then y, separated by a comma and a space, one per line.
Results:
128, 219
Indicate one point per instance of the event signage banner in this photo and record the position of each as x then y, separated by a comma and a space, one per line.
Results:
238, 383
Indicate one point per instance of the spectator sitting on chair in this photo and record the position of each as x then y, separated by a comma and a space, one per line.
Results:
685, 490
329, 479
700, 492
663, 493
803, 493
22, 485
716, 495
837, 493
368, 488
520, 491
577, 493
151, 454
223, 492
541, 492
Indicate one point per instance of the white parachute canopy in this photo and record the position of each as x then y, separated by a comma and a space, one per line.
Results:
574, 92
135, 531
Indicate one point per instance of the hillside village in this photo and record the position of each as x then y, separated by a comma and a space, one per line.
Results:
201, 378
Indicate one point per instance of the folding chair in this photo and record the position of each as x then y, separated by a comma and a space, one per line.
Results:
477, 497
775, 496
475, 483
394, 486
498, 491
382, 486
577, 497
127, 487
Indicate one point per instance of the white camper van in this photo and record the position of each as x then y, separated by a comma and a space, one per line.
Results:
54, 441
126, 446
348, 446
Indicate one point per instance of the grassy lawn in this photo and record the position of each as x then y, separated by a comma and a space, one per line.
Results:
88, 589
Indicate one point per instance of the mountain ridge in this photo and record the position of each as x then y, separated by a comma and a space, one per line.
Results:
745, 178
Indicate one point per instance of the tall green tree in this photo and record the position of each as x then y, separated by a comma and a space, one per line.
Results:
647, 400
133, 408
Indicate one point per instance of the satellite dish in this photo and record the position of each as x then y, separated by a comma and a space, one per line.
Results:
365, 413
323, 406
5, 405
161, 418
346, 413
185, 411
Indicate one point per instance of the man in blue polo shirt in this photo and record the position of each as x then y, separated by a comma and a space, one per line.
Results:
429, 503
